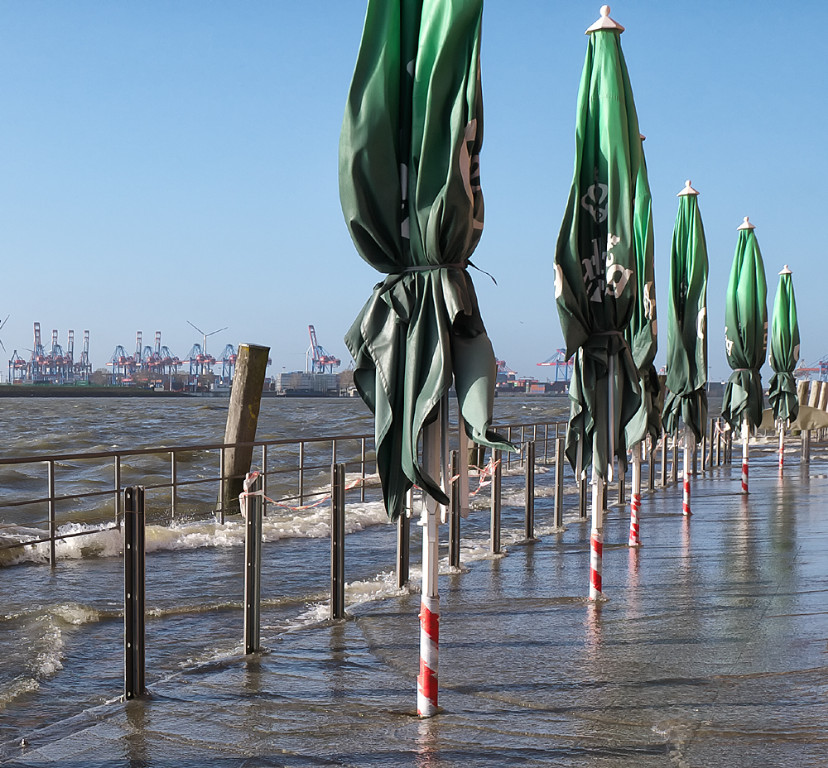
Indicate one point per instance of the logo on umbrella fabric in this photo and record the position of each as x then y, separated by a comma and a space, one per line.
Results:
594, 202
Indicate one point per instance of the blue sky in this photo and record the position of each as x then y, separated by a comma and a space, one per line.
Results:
166, 162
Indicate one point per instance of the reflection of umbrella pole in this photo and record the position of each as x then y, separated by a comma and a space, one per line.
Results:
745, 439
430, 601
596, 539
635, 496
689, 449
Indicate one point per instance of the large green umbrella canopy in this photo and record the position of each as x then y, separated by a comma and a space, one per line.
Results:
595, 258
784, 351
686, 397
410, 192
642, 333
746, 328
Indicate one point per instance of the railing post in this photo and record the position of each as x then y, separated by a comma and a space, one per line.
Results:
301, 472
52, 515
362, 472
404, 542
663, 465
173, 484
264, 480
530, 489
134, 592
251, 507
622, 479
651, 449
337, 541
454, 513
222, 486
674, 463
560, 458
496, 500
118, 508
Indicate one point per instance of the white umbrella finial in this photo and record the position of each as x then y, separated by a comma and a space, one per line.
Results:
688, 190
745, 224
605, 22
786, 271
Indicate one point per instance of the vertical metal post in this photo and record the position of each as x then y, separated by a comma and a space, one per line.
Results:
650, 463
674, 463
496, 500
222, 484
663, 466
622, 478
522, 444
134, 592
301, 472
509, 455
52, 515
333, 451
251, 506
559, 481
404, 543
454, 514
264, 481
530, 490
337, 541
173, 484
118, 509
546, 443
362, 470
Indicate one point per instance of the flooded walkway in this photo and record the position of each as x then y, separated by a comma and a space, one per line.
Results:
711, 650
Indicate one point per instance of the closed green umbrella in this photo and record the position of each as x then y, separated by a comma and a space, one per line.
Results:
783, 357
746, 329
686, 398
595, 269
410, 192
642, 337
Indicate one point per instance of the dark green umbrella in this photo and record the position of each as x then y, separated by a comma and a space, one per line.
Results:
686, 398
746, 329
410, 191
595, 267
783, 357
642, 336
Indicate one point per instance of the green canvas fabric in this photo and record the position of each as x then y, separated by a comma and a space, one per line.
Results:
642, 332
410, 193
595, 258
784, 352
686, 398
746, 328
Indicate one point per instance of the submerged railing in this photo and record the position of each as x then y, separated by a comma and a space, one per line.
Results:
187, 482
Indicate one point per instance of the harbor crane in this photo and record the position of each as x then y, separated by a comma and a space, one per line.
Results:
563, 367
317, 357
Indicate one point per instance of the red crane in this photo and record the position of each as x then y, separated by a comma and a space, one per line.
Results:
318, 357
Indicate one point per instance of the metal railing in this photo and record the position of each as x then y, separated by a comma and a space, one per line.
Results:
183, 482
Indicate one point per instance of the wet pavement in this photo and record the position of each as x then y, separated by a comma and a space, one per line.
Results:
710, 650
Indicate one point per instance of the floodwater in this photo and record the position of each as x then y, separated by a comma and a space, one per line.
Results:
710, 649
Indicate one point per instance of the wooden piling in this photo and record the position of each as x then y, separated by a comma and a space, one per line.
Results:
242, 418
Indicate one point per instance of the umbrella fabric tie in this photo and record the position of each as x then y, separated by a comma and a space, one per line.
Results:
432, 267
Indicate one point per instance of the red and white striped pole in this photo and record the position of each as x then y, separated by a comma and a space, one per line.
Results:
430, 598
635, 496
596, 539
745, 439
781, 445
689, 447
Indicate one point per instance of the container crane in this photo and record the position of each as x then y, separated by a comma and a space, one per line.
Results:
83, 367
228, 364
563, 367
17, 368
318, 358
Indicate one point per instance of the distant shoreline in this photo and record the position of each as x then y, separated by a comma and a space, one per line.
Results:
17, 390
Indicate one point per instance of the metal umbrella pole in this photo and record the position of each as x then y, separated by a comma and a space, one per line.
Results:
745, 441
689, 449
427, 687
635, 496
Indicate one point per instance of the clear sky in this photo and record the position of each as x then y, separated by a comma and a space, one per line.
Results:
164, 162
